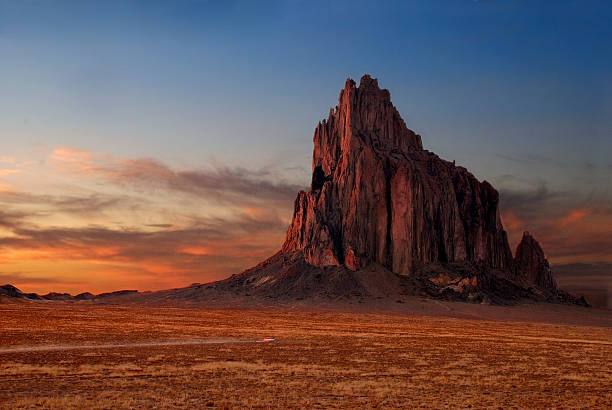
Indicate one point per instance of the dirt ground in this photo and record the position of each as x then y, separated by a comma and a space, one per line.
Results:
75, 355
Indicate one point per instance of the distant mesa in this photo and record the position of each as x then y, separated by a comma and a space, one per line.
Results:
12, 292
57, 296
84, 296
386, 219
117, 293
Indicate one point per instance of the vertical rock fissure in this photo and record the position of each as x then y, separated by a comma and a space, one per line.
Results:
442, 257
389, 235
337, 239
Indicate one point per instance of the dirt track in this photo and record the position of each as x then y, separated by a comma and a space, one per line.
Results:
49, 348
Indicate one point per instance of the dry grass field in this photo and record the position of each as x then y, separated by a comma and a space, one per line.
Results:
62, 355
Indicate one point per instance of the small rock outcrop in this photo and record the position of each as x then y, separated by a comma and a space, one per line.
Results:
532, 264
12, 292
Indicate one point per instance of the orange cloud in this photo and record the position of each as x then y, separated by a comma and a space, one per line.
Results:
196, 250
76, 160
253, 211
511, 221
573, 216
6, 172
71, 155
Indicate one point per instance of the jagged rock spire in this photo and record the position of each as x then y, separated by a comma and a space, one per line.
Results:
364, 113
532, 264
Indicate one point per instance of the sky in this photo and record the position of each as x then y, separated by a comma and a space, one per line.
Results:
150, 145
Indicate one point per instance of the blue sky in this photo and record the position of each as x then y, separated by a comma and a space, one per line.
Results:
192, 79
519, 92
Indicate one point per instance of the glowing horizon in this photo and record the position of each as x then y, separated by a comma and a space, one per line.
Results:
99, 223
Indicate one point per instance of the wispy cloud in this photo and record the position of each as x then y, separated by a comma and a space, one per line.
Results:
12, 219
530, 202
221, 183
531, 159
68, 204
140, 220
6, 172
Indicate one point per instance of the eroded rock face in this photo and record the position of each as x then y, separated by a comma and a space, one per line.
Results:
377, 196
532, 264
386, 219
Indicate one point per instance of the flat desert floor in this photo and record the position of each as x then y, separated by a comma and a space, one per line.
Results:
79, 355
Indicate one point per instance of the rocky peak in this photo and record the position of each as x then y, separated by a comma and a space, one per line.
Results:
532, 264
364, 116
367, 82
377, 196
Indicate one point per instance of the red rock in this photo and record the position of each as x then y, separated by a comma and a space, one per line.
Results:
385, 218
377, 196
532, 264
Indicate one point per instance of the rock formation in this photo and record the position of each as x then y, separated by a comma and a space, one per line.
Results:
385, 219
377, 196
379, 204
532, 264
12, 292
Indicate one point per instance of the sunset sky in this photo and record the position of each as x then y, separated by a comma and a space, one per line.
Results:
149, 145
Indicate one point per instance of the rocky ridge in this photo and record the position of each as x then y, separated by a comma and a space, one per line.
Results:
13, 292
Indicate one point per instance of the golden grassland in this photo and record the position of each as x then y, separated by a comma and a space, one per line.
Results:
62, 355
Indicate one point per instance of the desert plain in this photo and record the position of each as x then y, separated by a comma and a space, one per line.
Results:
430, 355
